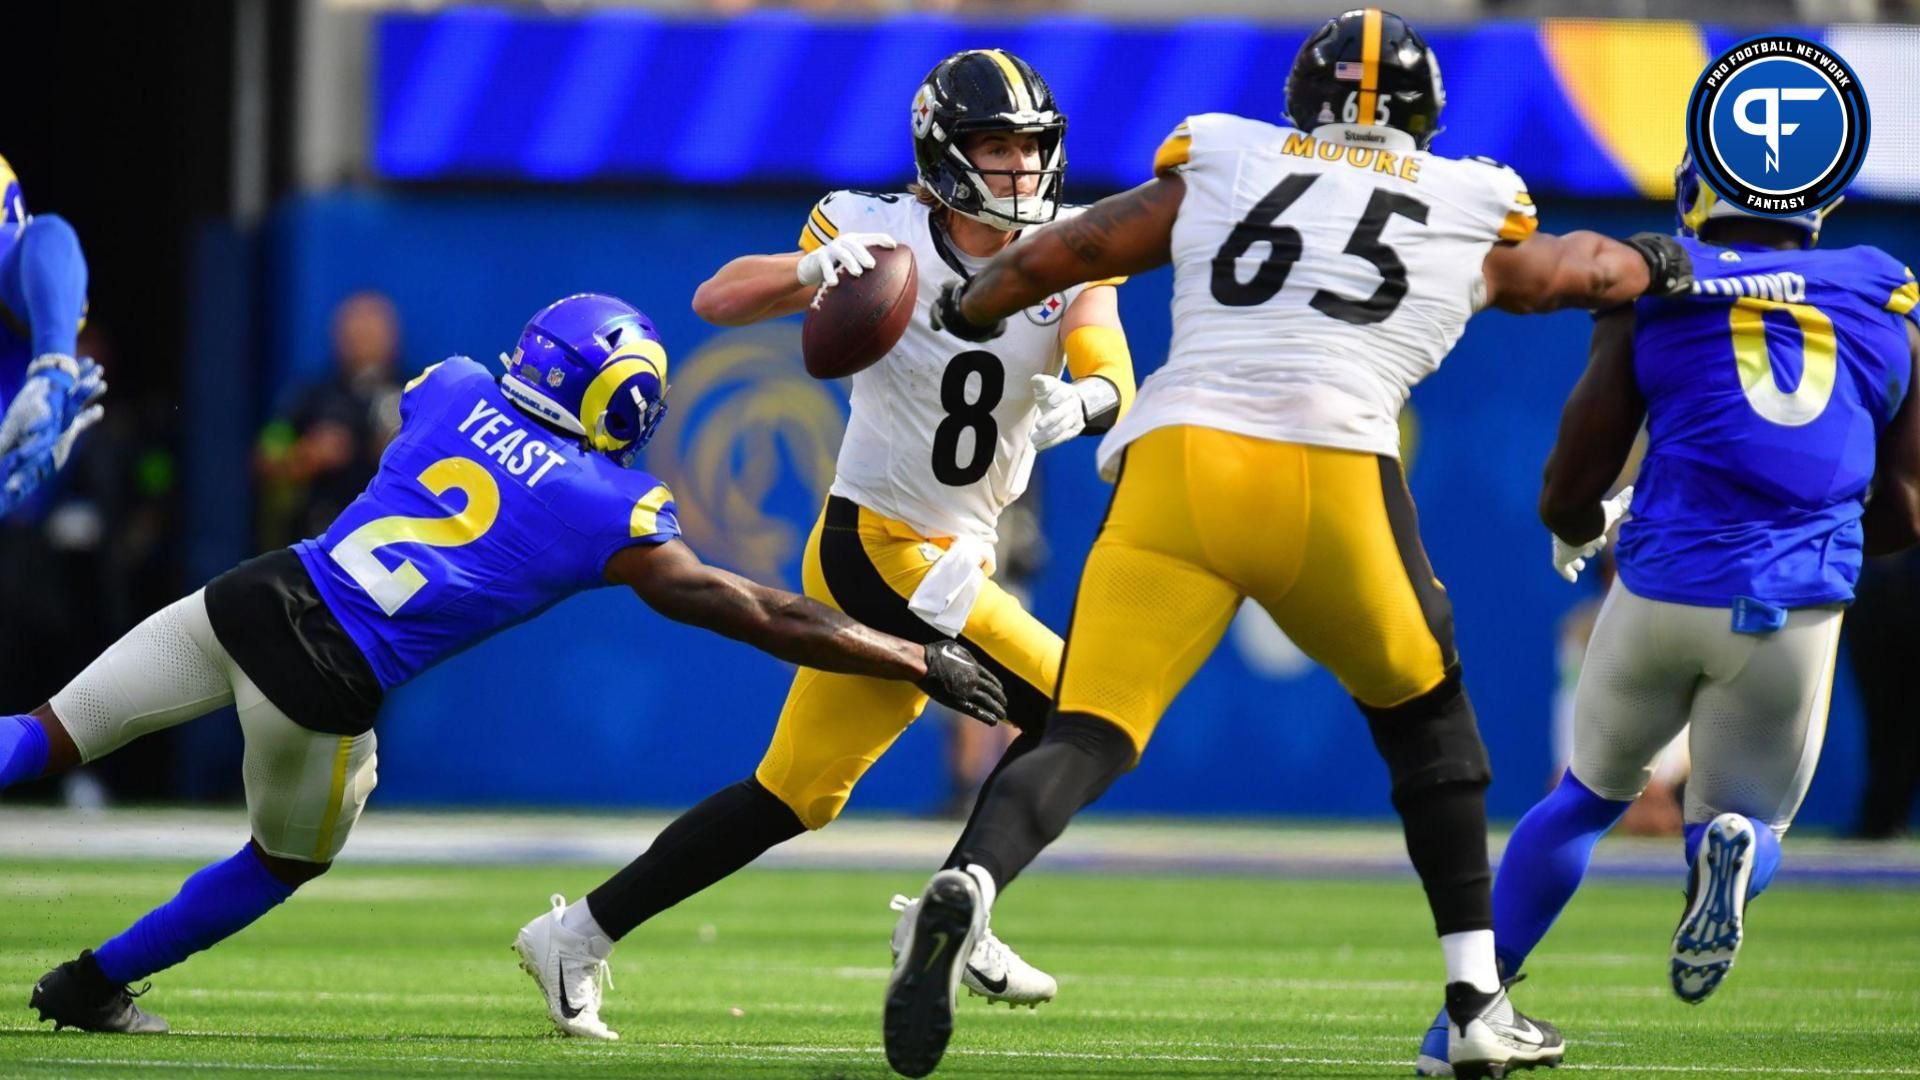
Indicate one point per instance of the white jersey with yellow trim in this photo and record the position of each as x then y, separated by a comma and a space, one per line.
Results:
1316, 280
941, 435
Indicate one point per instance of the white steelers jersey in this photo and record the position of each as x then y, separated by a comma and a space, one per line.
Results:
1316, 280
941, 435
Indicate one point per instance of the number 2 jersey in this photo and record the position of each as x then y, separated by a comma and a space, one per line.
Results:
941, 434
1767, 391
478, 519
1316, 281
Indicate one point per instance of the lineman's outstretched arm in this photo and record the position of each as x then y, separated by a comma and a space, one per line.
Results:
1585, 270
1120, 235
674, 582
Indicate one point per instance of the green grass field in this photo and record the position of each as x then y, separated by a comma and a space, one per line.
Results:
406, 971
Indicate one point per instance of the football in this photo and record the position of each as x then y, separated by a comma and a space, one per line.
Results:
858, 321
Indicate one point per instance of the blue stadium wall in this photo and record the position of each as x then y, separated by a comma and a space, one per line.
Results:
602, 702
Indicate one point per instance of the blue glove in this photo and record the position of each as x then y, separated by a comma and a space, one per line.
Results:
43, 421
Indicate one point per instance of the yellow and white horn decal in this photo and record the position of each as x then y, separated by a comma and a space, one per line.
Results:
641, 356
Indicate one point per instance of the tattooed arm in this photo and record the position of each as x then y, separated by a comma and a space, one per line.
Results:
1119, 235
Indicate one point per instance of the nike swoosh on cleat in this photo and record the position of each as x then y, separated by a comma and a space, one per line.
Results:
993, 986
1526, 1031
560, 977
940, 940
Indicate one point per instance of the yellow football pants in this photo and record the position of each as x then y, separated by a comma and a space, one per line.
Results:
834, 727
1326, 540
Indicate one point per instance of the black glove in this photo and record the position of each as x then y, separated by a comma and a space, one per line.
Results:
1669, 266
946, 316
955, 679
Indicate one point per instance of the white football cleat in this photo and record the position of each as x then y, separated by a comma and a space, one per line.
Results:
1488, 1037
917, 1021
994, 971
569, 972
1709, 935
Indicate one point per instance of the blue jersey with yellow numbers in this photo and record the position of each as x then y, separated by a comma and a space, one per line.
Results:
1766, 392
478, 519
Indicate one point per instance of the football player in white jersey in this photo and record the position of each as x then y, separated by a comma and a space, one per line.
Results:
941, 439
1320, 270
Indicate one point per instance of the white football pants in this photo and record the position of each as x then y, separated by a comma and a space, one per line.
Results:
305, 789
1757, 704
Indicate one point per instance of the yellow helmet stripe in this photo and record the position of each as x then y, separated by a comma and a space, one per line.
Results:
641, 356
1369, 66
1016, 85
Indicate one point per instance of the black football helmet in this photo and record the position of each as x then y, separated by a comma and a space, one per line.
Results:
1367, 67
987, 90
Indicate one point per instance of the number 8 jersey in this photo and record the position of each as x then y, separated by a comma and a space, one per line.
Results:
941, 435
1316, 281
478, 519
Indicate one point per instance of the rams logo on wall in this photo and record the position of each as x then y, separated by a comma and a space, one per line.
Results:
748, 450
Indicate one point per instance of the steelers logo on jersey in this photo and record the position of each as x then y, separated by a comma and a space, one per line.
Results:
1047, 312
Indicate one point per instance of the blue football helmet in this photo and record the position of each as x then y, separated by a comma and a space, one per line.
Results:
13, 205
1696, 203
592, 365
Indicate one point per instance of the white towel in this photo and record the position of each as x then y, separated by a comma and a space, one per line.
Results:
946, 595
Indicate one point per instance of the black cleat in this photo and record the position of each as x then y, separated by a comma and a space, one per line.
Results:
926, 976
77, 995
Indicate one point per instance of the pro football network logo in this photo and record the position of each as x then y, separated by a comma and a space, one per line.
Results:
1778, 125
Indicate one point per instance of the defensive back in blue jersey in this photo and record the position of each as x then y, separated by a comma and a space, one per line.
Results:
1767, 391
478, 519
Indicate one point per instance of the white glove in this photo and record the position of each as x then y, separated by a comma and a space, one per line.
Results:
1568, 560
846, 252
1065, 406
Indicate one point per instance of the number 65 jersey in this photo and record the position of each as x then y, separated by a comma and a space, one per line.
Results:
941, 434
1316, 280
478, 519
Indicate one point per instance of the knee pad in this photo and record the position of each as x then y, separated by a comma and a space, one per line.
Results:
817, 798
1430, 742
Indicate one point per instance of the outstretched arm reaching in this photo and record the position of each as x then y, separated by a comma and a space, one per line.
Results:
674, 582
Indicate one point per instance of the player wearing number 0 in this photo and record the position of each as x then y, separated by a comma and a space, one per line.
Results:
1744, 541
499, 497
942, 438
1320, 270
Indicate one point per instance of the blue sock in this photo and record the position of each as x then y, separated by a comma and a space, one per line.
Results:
216, 903
1766, 853
1543, 864
23, 749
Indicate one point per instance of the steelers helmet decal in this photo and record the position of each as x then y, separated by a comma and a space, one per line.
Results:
976, 92
1367, 70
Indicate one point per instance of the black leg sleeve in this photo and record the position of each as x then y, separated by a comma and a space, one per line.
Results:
707, 843
1016, 750
1440, 774
1027, 806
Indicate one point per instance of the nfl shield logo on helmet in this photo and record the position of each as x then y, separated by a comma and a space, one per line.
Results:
555, 377
1047, 311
